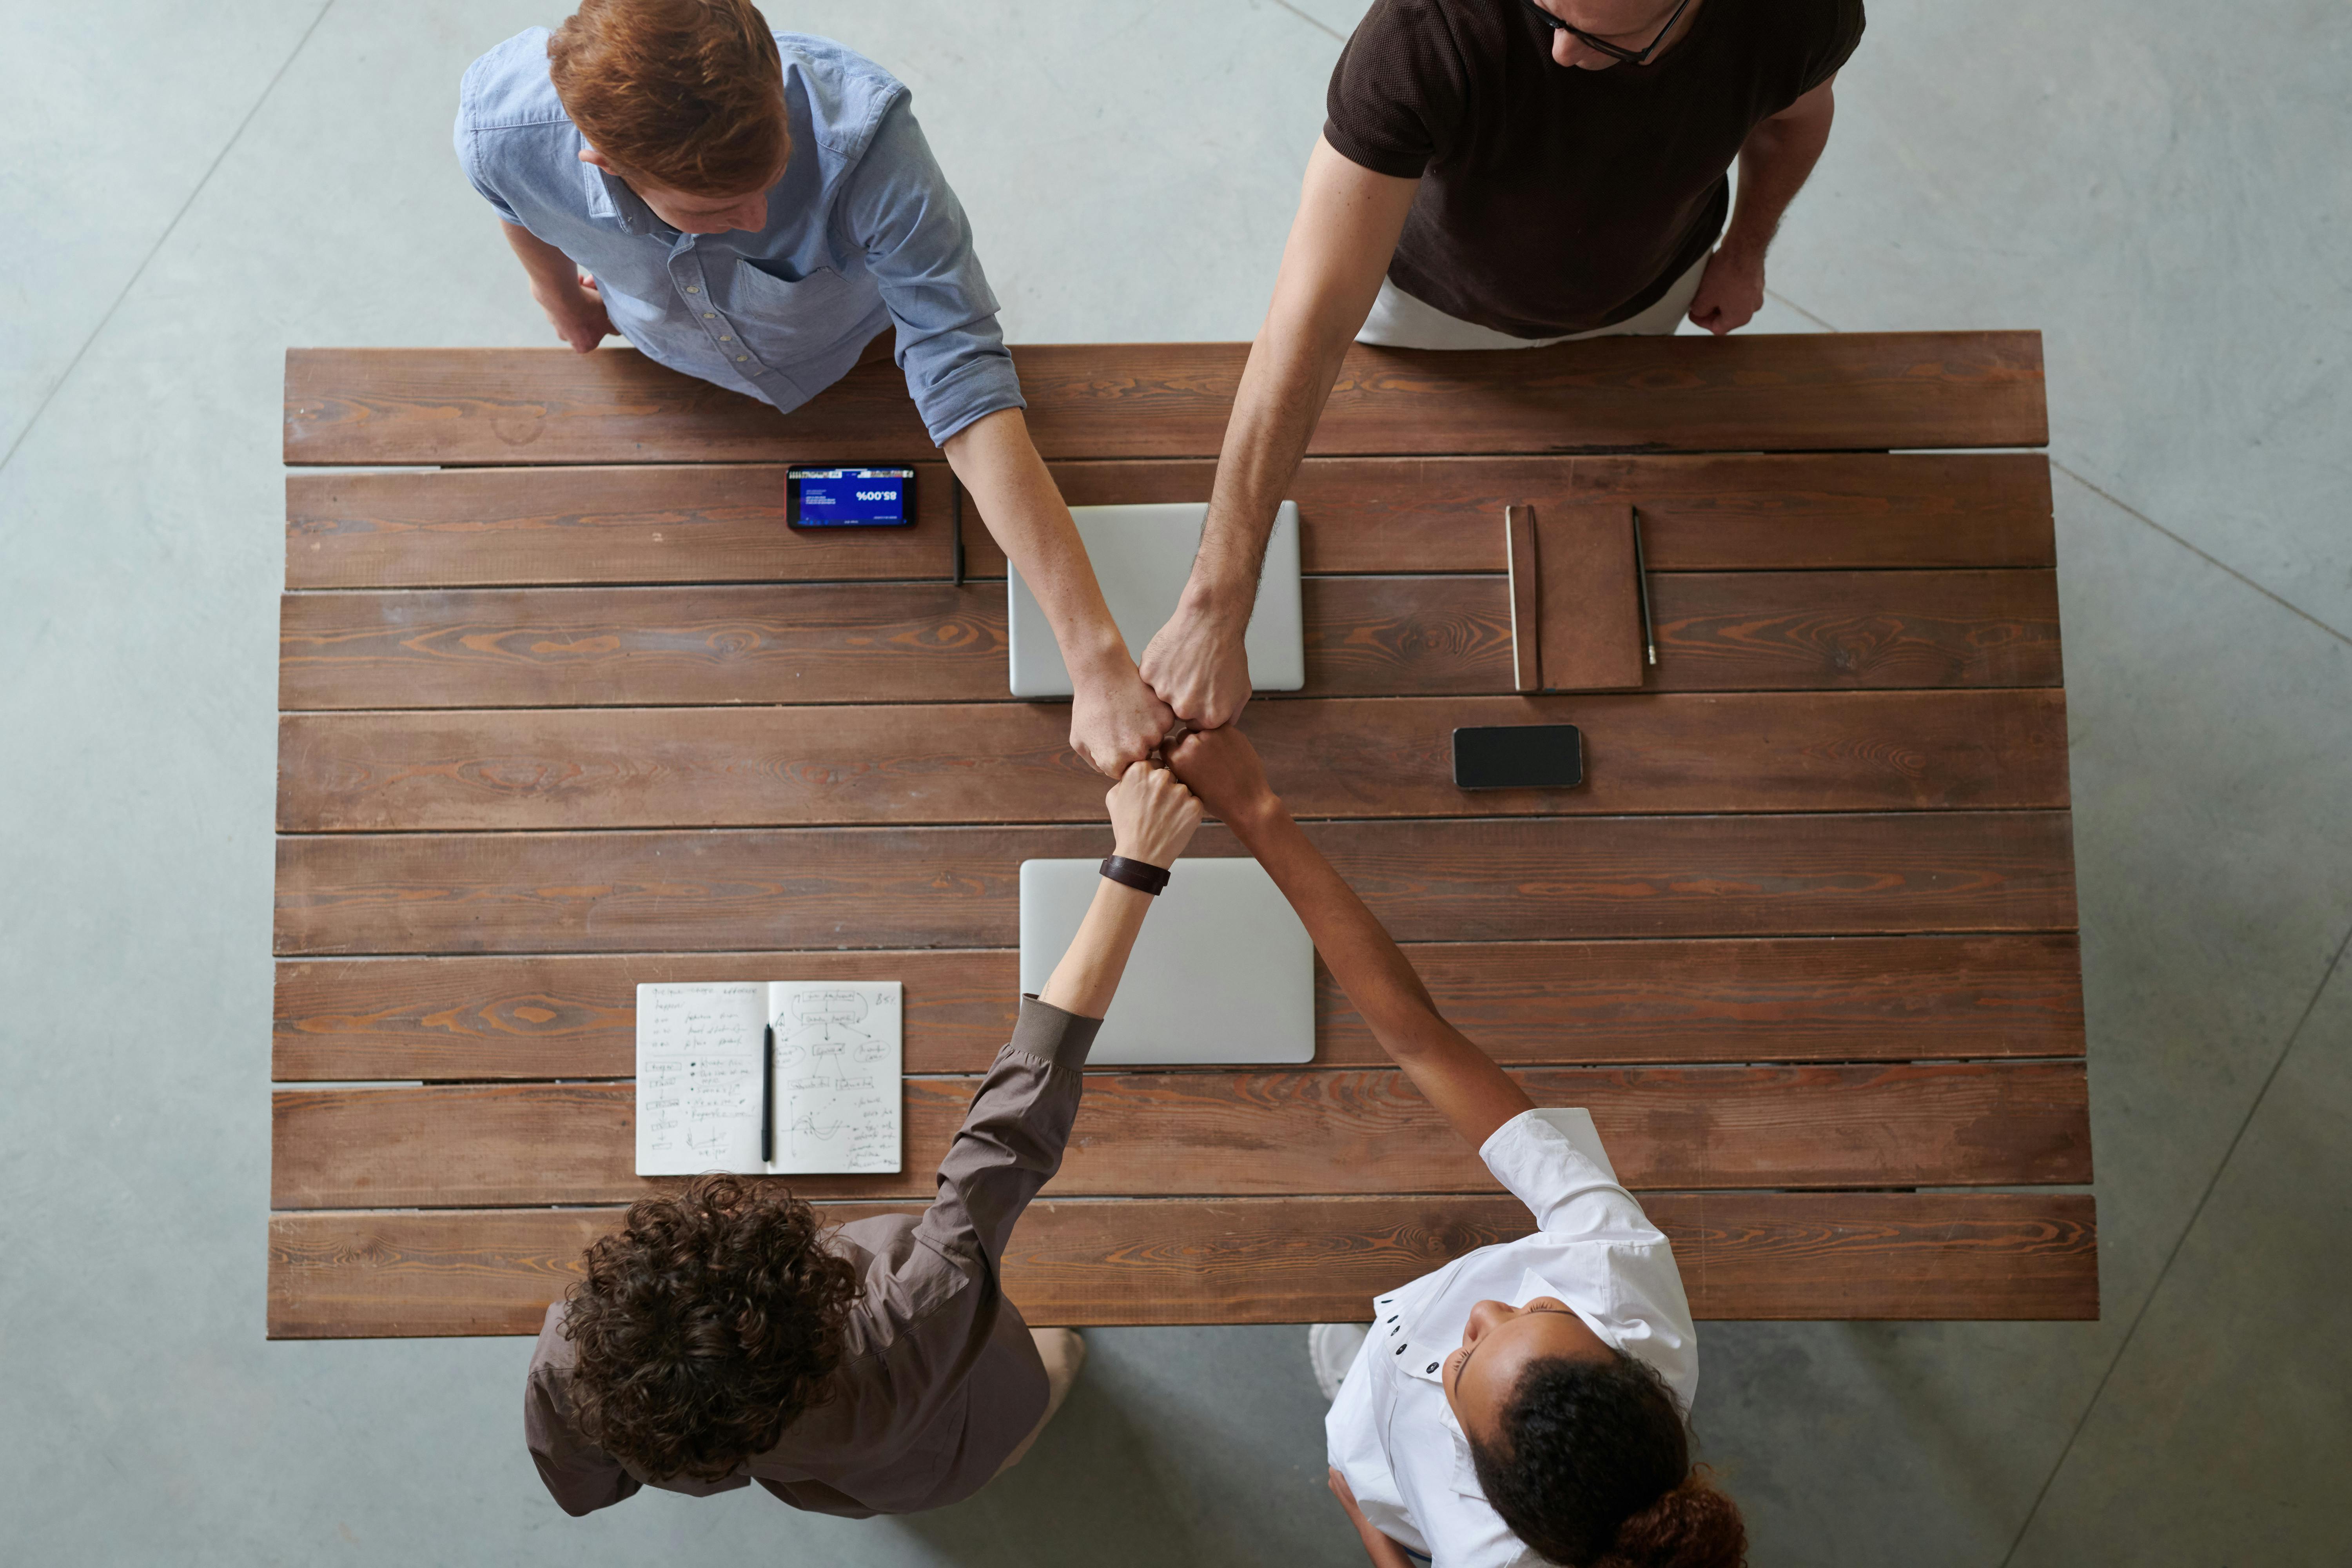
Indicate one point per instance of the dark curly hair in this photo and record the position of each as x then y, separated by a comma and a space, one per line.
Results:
1592, 1469
704, 1328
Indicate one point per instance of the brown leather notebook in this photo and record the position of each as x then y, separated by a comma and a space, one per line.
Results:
1573, 576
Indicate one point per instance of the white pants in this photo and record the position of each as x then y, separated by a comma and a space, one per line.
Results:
1400, 321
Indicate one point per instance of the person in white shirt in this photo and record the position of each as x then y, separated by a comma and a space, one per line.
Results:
1527, 1402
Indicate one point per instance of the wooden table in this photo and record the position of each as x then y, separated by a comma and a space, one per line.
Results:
573, 709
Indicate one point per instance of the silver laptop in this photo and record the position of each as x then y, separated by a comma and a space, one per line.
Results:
1223, 972
1142, 556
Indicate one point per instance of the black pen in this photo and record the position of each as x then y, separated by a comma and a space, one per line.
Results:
767, 1097
1641, 579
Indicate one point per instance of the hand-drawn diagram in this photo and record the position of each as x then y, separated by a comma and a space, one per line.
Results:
827, 1017
838, 1116
836, 1104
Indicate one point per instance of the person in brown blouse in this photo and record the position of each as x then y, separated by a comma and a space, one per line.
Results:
1500, 174
725, 1336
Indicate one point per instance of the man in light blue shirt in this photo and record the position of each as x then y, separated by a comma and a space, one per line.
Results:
756, 208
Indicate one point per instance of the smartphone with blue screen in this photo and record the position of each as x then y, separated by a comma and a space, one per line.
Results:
849, 498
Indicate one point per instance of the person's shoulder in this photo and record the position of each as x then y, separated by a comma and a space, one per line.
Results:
1455, 25
508, 87
1833, 18
847, 94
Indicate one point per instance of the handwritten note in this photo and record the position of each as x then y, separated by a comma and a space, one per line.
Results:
698, 1050
837, 1071
836, 1092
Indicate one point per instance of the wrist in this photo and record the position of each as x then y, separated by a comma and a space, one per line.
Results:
1255, 818
1218, 601
1743, 248
1098, 656
1143, 850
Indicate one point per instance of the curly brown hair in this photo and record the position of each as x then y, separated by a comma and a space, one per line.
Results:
704, 1328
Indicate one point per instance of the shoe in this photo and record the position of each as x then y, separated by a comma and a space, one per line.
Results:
1331, 1350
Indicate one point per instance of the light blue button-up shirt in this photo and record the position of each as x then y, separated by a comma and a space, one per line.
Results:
863, 234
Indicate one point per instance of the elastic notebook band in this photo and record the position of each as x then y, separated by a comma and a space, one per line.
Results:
1140, 875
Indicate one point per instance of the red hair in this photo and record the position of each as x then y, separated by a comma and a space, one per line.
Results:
690, 93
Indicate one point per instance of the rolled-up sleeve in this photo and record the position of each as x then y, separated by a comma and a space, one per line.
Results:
1570, 1189
918, 242
1011, 1140
467, 136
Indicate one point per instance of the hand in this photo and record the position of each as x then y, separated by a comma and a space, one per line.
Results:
1222, 768
577, 312
1730, 291
1152, 814
1115, 720
1198, 666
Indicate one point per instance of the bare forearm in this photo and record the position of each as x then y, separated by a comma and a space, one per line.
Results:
548, 267
1346, 229
1462, 1081
1384, 1553
1017, 499
1774, 164
1283, 388
1088, 977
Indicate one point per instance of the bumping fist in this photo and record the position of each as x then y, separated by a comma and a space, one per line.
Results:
1152, 814
1222, 768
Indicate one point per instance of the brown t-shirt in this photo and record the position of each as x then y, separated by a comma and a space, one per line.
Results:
1555, 200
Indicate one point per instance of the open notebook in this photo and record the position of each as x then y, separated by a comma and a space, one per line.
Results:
836, 1090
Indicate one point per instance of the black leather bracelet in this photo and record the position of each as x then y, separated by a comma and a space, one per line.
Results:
1140, 875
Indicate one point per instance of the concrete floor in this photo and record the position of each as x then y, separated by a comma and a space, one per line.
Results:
2160, 187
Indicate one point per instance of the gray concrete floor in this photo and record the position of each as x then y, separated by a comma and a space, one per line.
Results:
2161, 188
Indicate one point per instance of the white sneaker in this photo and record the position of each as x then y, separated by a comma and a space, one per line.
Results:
1331, 1350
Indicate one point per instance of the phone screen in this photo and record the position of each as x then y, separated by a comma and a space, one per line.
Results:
849, 498
1518, 756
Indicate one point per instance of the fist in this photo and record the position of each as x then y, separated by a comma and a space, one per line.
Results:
1222, 768
1152, 814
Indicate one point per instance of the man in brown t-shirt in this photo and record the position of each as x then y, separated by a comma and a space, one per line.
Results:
1500, 173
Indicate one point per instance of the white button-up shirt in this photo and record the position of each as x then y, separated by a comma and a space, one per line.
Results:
1391, 1432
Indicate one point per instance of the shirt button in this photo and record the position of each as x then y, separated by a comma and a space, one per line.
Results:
741, 358
725, 339
710, 315
692, 290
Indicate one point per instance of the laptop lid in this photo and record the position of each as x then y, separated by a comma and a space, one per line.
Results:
1142, 556
1221, 973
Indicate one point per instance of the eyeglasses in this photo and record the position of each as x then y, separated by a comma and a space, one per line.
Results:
1614, 51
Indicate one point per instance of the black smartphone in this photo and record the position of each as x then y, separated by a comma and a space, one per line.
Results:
1518, 756
849, 498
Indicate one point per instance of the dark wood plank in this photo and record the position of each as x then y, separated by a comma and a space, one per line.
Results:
1855, 391
632, 523
1259, 1260
1833, 511
1480, 880
1740, 631
1747, 630
1844, 999
717, 523
1168, 1134
569, 647
1366, 637
575, 1017
744, 767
